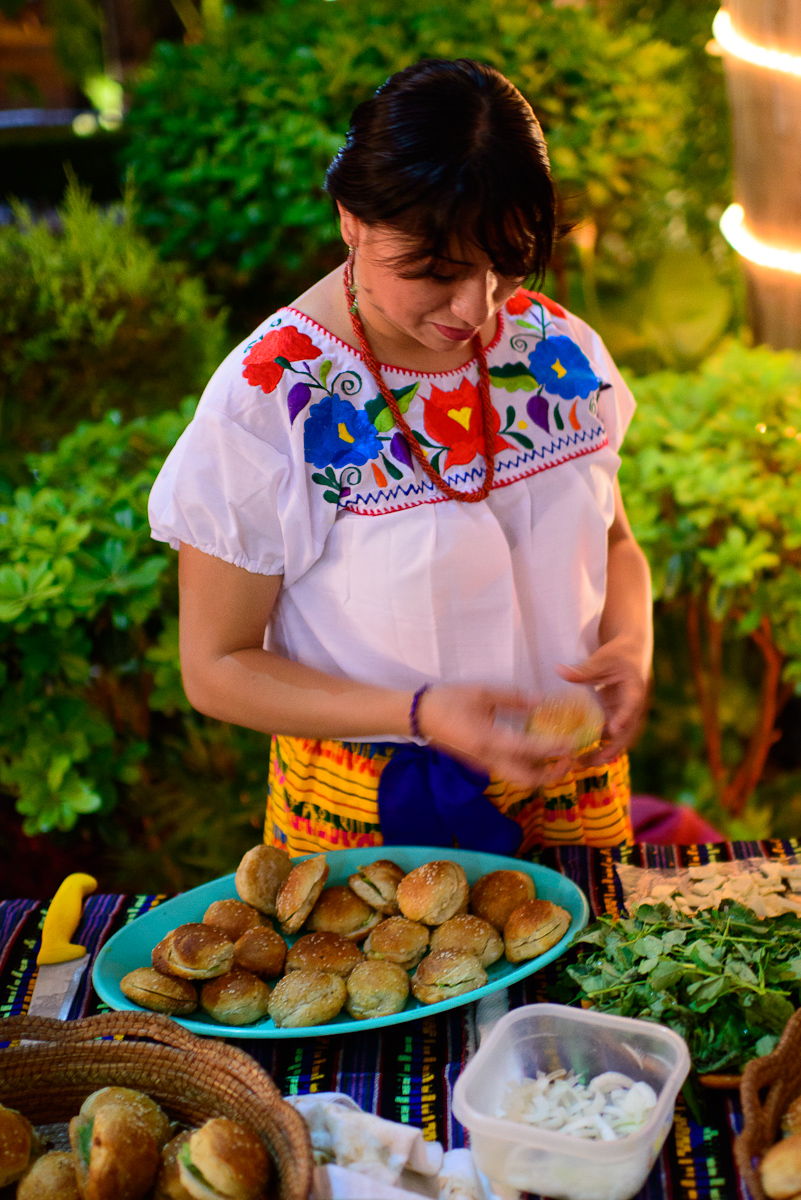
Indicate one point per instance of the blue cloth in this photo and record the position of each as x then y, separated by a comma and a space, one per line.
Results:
427, 798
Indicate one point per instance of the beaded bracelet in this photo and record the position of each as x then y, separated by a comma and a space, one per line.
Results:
413, 722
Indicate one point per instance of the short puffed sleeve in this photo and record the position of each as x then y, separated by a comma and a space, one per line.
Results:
236, 485
615, 401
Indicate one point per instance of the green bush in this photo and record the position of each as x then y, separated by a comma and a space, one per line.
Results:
91, 320
711, 476
93, 719
230, 139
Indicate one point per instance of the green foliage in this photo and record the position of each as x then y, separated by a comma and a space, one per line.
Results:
725, 980
90, 320
712, 486
92, 713
230, 139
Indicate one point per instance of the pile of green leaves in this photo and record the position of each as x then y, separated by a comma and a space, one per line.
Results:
91, 319
726, 981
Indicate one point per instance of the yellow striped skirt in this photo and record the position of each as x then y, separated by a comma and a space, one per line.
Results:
323, 795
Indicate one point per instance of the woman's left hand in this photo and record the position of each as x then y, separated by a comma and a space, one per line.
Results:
616, 670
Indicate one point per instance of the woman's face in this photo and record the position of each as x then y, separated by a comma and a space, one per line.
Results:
442, 312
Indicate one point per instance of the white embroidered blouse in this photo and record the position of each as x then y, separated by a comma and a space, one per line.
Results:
292, 466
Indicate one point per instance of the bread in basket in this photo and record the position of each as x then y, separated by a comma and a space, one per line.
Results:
59, 1064
768, 1087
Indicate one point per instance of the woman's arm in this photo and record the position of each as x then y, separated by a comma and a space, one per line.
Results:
622, 664
228, 675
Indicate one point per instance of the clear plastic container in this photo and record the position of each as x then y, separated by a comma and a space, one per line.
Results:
546, 1037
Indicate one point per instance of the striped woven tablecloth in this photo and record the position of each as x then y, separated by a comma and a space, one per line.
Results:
407, 1072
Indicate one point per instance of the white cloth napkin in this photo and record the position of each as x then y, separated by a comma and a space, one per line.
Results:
344, 1135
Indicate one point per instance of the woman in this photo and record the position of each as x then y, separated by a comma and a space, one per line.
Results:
397, 509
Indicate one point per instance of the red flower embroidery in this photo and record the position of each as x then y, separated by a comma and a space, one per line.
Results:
522, 300
261, 369
454, 419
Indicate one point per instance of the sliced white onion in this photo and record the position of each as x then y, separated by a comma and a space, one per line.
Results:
611, 1106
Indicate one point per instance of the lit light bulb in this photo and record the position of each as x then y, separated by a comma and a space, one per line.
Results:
734, 43
732, 226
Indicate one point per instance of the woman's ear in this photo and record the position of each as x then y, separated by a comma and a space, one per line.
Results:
349, 226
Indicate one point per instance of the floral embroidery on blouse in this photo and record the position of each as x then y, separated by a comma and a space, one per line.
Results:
342, 438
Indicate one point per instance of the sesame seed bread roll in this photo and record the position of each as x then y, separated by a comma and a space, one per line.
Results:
194, 951
233, 918
262, 951
168, 1181
339, 910
159, 993
238, 998
533, 928
307, 998
324, 952
224, 1160
116, 1156
299, 892
259, 877
447, 973
494, 897
376, 989
51, 1177
399, 941
135, 1102
433, 892
377, 884
471, 934
17, 1143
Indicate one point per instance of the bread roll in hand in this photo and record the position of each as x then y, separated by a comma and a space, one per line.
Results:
223, 1160
339, 910
51, 1177
194, 951
159, 993
238, 998
299, 891
494, 897
307, 998
324, 952
376, 989
433, 892
116, 1155
259, 876
17, 1143
233, 918
533, 928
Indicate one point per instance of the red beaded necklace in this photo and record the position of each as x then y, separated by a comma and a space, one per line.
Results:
487, 411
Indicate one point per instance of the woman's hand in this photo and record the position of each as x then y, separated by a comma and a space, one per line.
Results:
616, 670
460, 719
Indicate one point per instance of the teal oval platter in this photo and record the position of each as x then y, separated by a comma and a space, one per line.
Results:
131, 946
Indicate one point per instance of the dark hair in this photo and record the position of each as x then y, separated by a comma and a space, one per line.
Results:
451, 147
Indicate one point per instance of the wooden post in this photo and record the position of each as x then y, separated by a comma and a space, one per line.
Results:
766, 119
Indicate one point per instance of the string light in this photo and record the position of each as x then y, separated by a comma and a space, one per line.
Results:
732, 42
732, 226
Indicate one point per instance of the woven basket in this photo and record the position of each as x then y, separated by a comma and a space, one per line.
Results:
769, 1086
192, 1078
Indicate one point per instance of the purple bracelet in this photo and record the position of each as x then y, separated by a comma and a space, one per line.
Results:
413, 722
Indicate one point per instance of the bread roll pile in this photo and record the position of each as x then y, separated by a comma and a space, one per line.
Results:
125, 1148
363, 941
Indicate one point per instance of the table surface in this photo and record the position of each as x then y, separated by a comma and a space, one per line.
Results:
407, 1072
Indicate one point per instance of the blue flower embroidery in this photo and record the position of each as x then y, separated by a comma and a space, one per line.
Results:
338, 435
560, 367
